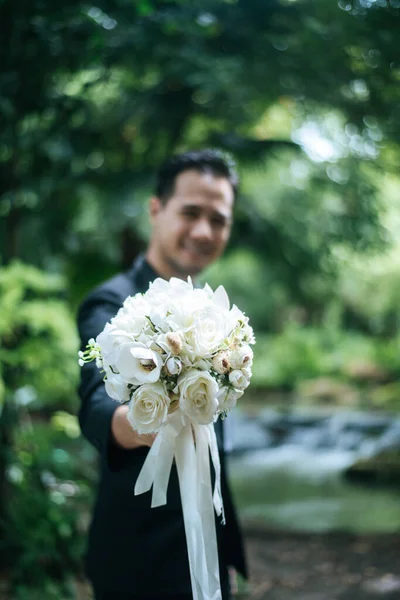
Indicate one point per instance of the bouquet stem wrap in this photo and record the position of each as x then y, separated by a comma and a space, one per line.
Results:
176, 441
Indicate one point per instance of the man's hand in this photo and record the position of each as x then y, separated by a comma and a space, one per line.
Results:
124, 435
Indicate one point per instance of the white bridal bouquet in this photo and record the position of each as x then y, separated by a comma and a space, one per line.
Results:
180, 356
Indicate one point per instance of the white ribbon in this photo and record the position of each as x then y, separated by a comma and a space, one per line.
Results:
175, 440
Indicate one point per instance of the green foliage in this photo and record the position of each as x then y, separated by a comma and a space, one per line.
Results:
244, 275
43, 480
38, 339
45, 535
370, 290
282, 360
298, 353
84, 130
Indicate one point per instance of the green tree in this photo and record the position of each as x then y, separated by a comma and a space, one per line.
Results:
95, 97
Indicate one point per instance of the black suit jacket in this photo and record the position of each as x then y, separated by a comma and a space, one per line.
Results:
133, 547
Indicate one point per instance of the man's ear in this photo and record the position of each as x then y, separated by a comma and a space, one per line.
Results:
155, 206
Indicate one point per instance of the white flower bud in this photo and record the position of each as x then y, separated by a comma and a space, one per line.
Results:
242, 357
247, 372
238, 379
220, 362
174, 342
173, 366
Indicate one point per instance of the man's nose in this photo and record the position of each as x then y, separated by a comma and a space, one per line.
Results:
202, 230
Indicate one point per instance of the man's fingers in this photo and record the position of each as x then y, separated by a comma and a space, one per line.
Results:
147, 439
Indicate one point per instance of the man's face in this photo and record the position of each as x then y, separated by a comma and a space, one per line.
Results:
191, 230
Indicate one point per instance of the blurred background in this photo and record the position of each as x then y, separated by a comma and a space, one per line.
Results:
306, 96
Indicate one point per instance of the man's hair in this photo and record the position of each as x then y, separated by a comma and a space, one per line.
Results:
208, 160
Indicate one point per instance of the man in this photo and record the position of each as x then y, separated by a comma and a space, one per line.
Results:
136, 551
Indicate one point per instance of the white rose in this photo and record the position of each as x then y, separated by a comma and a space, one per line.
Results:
208, 333
135, 306
238, 379
179, 287
158, 286
242, 357
132, 316
174, 286
197, 300
180, 319
148, 407
227, 398
164, 295
157, 314
198, 396
130, 324
220, 362
137, 364
116, 388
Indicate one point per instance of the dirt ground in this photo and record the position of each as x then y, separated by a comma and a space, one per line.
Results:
300, 566
341, 566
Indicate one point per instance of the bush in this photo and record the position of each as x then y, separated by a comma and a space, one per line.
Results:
43, 481
38, 339
301, 353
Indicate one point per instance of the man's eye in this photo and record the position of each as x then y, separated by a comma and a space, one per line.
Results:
190, 214
218, 222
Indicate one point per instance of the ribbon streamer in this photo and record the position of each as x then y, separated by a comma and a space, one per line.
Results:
175, 440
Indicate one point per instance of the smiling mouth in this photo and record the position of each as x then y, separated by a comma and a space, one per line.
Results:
199, 251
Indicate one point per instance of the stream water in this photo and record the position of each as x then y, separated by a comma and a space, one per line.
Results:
298, 483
